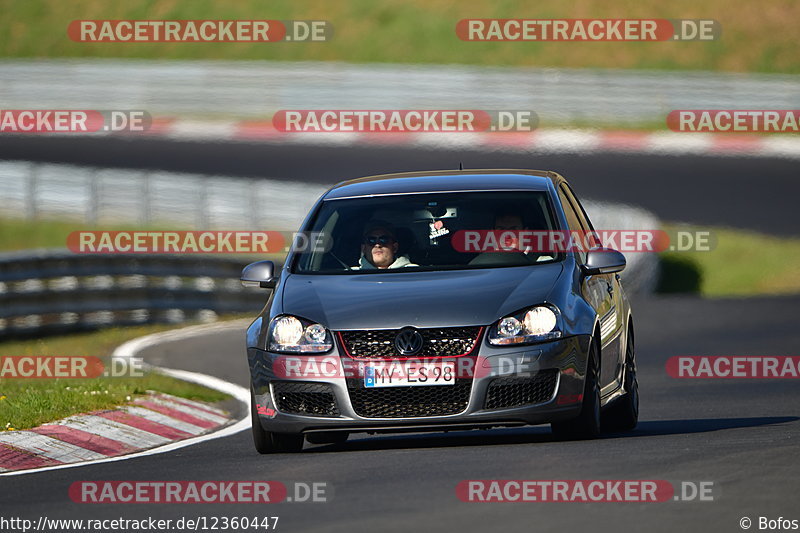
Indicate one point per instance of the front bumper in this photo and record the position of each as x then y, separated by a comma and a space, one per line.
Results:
563, 359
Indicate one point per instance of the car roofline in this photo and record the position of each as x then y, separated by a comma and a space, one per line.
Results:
554, 177
444, 191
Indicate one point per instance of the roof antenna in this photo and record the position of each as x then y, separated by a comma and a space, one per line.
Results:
460, 165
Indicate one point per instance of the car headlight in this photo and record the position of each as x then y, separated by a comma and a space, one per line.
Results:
534, 324
289, 334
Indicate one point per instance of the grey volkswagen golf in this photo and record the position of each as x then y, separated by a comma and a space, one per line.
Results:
417, 302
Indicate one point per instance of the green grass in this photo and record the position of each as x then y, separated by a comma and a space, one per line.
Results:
756, 36
743, 263
26, 403
19, 234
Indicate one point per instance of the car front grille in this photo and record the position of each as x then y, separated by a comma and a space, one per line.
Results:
436, 342
305, 398
516, 391
409, 402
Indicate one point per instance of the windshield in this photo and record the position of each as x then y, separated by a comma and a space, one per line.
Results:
412, 232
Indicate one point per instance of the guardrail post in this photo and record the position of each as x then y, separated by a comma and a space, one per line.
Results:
146, 214
254, 219
202, 204
31, 193
92, 213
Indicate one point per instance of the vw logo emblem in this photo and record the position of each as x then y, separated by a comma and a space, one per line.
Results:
408, 341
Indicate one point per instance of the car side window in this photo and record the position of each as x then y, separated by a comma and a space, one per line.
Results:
584, 218
592, 240
572, 220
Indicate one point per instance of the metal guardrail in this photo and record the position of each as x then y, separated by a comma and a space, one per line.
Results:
252, 89
53, 291
109, 196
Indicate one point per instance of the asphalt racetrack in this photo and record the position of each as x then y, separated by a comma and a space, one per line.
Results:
741, 435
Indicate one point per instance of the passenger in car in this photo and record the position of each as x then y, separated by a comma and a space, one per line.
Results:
510, 221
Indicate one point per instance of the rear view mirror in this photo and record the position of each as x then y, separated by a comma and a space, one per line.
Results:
603, 261
259, 274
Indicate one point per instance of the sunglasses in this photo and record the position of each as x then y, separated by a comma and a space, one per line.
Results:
383, 240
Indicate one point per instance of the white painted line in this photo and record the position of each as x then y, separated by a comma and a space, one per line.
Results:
160, 418
679, 143
566, 141
111, 429
448, 140
133, 347
48, 447
197, 413
239, 393
191, 129
338, 138
781, 146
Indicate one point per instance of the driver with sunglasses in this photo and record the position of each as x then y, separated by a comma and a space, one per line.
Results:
379, 248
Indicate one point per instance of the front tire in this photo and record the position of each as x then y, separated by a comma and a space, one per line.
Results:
268, 442
587, 423
623, 414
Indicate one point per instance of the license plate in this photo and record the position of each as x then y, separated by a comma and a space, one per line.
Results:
399, 374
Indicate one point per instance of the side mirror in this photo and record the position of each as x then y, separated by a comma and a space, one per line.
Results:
259, 274
603, 261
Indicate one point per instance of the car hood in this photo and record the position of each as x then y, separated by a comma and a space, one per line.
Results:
420, 299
